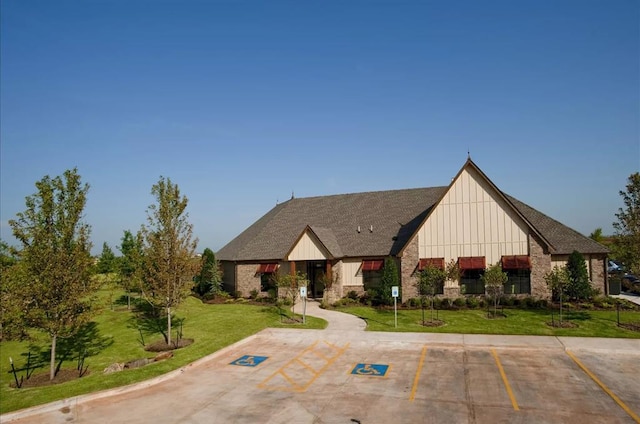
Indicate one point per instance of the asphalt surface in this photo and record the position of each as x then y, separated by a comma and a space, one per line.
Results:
346, 375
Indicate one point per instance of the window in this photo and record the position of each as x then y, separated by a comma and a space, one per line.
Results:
371, 279
266, 281
470, 282
519, 281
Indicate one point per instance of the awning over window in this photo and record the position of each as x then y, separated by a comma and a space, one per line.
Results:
516, 262
471, 262
433, 262
374, 265
267, 268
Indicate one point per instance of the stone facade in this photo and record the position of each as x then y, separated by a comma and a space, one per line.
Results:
540, 266
408, 265
247, 279
598, 274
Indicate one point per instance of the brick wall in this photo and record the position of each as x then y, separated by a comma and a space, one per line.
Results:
247, 279
408, 265
540, 265
598, 274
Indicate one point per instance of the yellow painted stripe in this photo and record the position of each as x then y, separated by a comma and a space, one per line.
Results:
605, 388
506, 382
416, 379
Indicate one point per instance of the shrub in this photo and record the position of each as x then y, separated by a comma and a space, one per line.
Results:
254, 294
542, 303
352, 295
437, 303
507, 300
482, 303
459, 302
529, 302
414, 302
473, 302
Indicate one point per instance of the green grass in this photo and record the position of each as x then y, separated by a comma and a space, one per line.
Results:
517, 322
211, 326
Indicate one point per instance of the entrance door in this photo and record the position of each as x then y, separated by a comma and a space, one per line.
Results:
315, 272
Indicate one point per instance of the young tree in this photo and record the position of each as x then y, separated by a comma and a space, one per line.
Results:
494, 280
168, 250
430, 282
107, 260
558, 280
289, 285
626, 242
129, 265
579, 286
389, 279
56, 258
596, 235
208, 279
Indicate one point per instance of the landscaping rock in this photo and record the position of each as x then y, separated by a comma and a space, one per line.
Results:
137, 363
162, 356
114, 368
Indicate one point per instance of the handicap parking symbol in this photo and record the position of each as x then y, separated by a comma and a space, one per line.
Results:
249, 360
373, 370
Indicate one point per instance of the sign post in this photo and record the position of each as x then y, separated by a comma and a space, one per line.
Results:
394, 293
303, 295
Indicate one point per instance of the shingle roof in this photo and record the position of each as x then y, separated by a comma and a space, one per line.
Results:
335, 220
386, 219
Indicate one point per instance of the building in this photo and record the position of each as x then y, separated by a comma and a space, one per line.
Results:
346, 237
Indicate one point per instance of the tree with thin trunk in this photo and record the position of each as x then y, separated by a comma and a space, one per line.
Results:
558, 281
55, 258
129, 265
168, 251
494, 280
430, 281
107, 260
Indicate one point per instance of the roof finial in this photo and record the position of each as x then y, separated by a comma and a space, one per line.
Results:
292, 195
468, 154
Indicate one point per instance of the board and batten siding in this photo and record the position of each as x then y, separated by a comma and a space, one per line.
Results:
350, 272
472, 220
308, 248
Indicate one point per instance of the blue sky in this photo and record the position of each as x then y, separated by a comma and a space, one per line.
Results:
242, 103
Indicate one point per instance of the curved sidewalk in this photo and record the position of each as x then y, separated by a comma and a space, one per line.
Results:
337, 321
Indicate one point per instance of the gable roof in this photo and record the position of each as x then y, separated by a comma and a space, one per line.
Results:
375, 224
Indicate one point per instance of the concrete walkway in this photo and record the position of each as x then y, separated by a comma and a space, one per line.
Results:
628, 296
338, 321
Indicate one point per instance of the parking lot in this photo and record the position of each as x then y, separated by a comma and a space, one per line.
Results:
298, 376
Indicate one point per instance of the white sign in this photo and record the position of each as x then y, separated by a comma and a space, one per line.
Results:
303, 292
394, 291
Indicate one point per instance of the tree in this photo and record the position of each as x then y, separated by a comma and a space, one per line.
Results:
626, 242
55, 258
579, 285
494, 280
208, 280
168, 250
129, 265
558, 280
289, 285
597, 236
430, 281
388, 280
10, 300
107, 260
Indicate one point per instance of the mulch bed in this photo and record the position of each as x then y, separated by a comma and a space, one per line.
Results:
431, 323
563, 324
631, 326
42, 379
162, 346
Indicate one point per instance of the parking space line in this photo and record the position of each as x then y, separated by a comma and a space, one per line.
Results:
297, 363
506, 382
605, 388
416, 379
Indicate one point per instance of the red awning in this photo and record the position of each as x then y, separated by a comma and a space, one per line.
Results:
471, 262
433, 262
375, 265
267, 268
516, 262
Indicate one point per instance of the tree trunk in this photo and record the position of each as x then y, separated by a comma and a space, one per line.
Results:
169, 325
52, 369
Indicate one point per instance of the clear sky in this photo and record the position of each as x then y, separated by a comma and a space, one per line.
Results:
242, 103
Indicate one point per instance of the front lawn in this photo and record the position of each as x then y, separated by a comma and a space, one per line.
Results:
211, 326
589, 323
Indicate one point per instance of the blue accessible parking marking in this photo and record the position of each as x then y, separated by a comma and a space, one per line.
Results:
249, 360
374, 370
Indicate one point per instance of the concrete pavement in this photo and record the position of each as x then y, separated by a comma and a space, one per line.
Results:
318, 376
